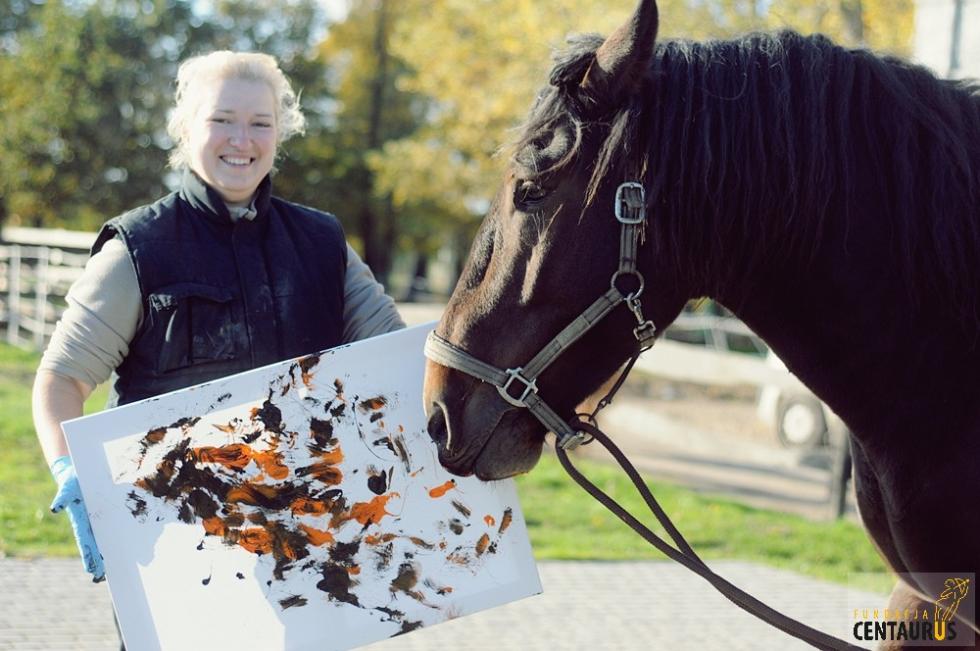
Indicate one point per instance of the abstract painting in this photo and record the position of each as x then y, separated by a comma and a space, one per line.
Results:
296, 506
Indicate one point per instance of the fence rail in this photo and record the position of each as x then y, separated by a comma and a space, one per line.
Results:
37, 267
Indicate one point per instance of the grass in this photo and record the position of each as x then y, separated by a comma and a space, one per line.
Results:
564, 522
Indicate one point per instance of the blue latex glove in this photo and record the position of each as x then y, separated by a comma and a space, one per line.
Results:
70, 497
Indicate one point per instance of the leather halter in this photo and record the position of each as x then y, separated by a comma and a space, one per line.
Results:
518, 385
630, 212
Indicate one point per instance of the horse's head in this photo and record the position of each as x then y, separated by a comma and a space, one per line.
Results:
547, 249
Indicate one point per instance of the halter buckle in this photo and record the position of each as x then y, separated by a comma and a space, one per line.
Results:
573, 440
646, 334
530, 387
630, 203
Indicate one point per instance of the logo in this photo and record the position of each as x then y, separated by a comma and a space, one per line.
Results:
923, 625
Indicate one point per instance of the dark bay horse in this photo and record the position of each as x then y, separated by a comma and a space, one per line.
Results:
829, 197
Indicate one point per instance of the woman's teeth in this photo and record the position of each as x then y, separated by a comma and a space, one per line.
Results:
238, 162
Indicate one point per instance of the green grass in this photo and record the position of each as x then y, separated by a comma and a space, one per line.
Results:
27, 527
563, 520
567, 523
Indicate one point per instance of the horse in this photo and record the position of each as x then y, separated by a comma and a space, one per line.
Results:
828, 197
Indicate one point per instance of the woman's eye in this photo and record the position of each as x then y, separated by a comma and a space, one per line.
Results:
528, 193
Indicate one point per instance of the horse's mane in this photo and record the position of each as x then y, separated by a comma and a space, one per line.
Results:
772, 135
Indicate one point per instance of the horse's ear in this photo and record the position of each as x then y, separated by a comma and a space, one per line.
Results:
621, 61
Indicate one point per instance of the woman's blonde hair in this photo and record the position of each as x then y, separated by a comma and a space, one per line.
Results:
224, 64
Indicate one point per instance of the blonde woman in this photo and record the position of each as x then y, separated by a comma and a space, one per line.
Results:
218, 277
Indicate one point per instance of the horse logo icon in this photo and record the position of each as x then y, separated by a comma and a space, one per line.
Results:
954, 591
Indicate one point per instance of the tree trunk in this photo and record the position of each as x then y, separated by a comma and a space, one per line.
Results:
375, 227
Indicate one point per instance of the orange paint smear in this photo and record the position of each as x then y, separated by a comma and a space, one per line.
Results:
155, 435
325, 472
417, 472
317, 537
379, 539
227, 429
306, 506
355, 570
271, 463
257, 541
365, 512
439, 491
214, 526
332, 456
489, 519
482, 544
235, 456
373, 404
506, 520
249, 493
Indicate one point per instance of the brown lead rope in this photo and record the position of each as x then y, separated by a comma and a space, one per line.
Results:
684, 554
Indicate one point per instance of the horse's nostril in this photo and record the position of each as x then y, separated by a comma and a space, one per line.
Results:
438, 427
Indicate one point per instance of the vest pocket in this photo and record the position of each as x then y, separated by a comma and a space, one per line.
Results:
192, 324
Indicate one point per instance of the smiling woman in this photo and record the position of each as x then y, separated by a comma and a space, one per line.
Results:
216, 278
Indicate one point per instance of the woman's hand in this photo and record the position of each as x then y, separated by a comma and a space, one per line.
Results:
69, 497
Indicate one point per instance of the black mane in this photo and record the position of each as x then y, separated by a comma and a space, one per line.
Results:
772, 135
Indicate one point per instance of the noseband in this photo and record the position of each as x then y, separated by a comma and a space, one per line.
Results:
518, 385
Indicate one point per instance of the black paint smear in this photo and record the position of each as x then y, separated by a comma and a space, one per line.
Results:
323, 438
462, 508
206, 581
408, 627
402, 451
393, 615
372, 404
337, 583
136, 504
200, 545
387, 443
375, 417
339, 386
223, 397
185, 514
384, 557
378, 483
289, 602
249, 438
456, 526
337, 411
201, 503
492, 549
270, 415
343, 553
408, 576
239, 575
309, 362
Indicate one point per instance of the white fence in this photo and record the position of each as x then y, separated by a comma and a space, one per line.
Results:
37, 266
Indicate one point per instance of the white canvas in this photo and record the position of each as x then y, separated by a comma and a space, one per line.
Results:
296, 506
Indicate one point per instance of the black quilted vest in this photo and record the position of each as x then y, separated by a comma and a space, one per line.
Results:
221, 297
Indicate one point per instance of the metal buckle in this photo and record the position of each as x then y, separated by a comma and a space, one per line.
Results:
572, 441
646, 334
530, 387
632, 196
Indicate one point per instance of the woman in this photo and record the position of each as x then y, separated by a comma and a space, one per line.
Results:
214, 279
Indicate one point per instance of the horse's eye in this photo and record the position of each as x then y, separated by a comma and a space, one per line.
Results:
528, 193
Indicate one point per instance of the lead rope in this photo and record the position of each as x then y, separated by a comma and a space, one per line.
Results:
684, 553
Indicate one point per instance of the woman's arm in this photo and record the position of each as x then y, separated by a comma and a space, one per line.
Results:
56, 398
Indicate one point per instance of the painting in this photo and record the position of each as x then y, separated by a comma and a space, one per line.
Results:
296, 506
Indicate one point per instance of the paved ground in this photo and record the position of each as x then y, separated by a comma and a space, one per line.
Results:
48, 604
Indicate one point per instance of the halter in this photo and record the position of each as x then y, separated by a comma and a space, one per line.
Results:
518, 385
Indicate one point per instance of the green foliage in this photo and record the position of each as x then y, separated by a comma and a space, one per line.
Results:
408, 101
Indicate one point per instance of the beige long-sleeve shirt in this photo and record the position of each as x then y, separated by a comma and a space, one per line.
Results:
105, 309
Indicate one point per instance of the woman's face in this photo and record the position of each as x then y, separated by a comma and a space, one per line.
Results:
231, 140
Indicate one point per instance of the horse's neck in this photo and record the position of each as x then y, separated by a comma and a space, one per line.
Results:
844, 326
